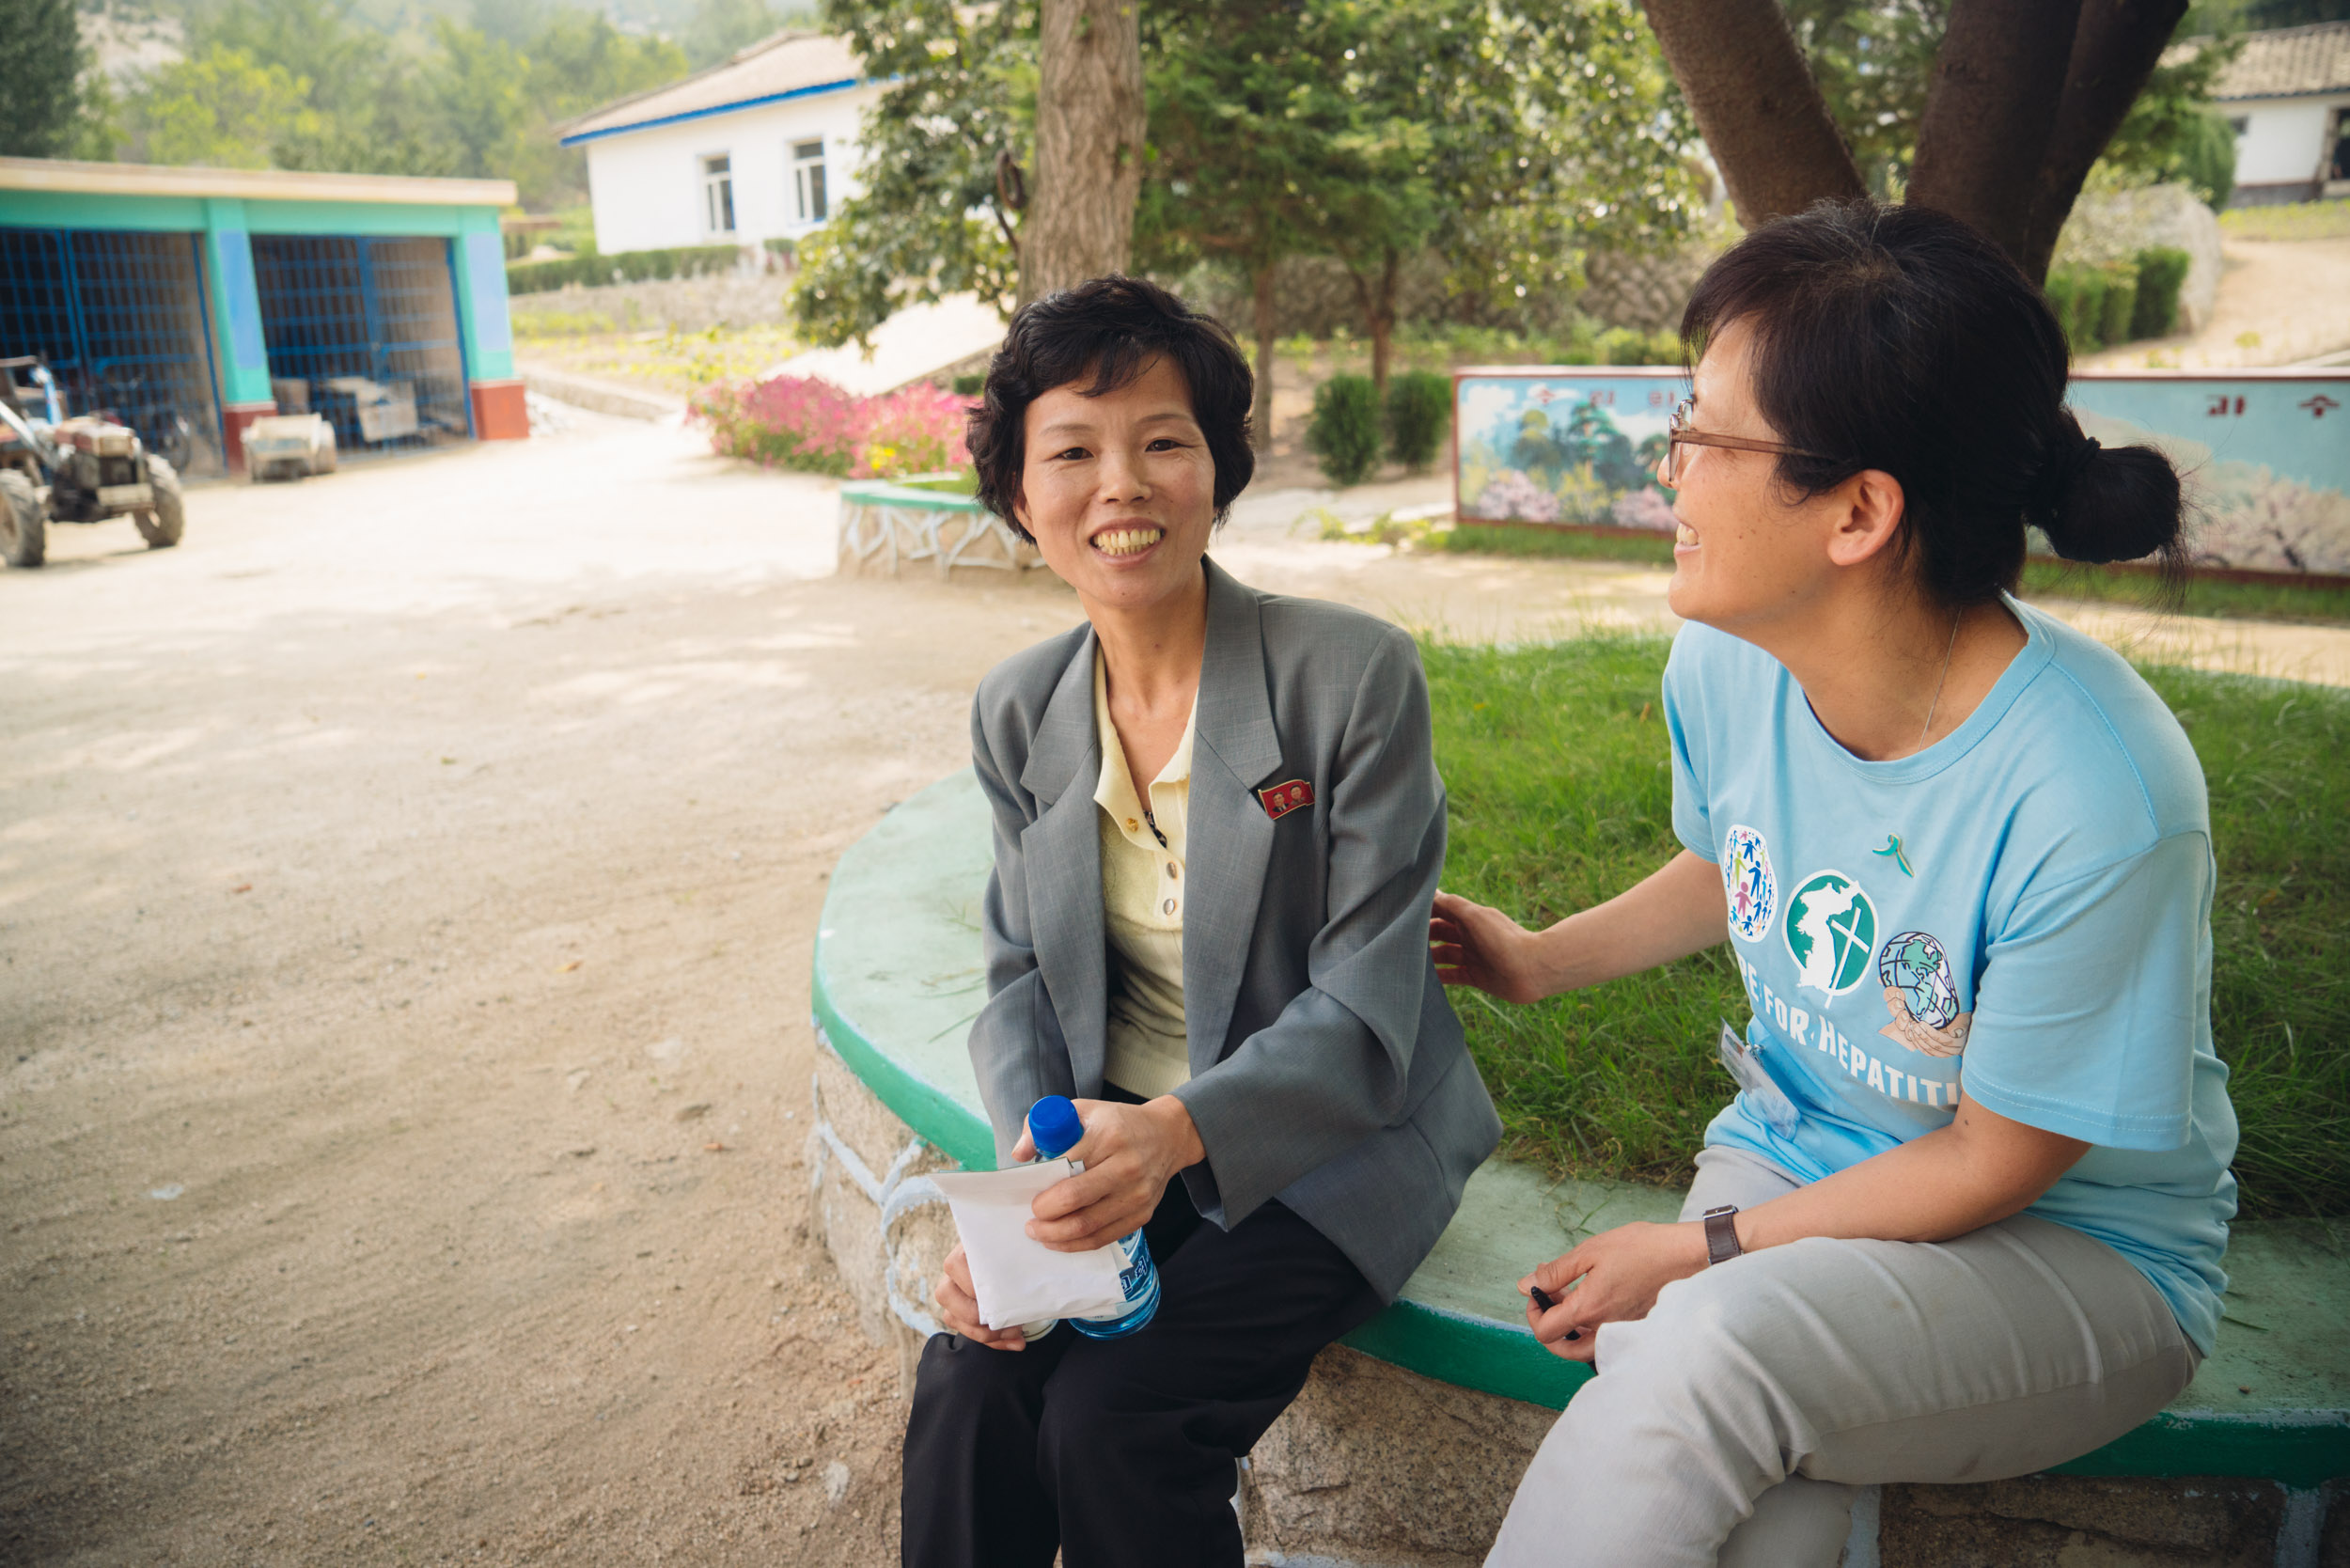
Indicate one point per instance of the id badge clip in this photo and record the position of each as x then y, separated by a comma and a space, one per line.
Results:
1745, 1061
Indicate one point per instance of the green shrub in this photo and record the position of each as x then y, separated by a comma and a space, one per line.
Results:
2077, 295
2117, 310
2204, 155
969, 385
628, 266
2161, 271
1420, 408
1345, 434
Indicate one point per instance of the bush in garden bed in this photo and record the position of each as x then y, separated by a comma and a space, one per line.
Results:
807, 423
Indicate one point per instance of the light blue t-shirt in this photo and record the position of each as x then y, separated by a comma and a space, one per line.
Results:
2025, 904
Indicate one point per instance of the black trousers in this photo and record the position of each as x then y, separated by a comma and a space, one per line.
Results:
1120, 1452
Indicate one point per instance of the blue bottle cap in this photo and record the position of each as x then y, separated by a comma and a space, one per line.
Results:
1053, 1123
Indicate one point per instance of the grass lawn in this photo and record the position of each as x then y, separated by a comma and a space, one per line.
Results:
2042, 579
1562, 796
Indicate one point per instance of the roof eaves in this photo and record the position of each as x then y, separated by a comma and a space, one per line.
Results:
813, 90
749, 51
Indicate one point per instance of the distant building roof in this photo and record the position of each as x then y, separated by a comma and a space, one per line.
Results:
2289, 62
789, 64
63, 174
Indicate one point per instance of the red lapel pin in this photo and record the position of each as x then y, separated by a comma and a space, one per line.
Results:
1281, 799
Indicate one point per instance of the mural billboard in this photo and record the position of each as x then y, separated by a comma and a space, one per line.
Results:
2267, 453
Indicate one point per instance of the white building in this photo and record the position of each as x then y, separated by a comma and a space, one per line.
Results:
763, 146
2287, 97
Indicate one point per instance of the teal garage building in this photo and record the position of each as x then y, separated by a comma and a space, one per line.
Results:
191, 301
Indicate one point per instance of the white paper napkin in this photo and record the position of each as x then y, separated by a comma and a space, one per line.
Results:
1019, 1279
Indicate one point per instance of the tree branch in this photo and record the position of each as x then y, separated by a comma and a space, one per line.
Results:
2115, 49
1998, 85
1755, 104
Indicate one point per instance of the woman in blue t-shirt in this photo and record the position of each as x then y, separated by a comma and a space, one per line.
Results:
1965, 1218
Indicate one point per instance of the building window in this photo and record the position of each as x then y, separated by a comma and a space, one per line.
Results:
718, 194
808, 180
2239, 123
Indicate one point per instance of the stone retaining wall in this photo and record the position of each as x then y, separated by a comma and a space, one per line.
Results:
1381, 1467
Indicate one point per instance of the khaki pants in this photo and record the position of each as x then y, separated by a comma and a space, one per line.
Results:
1733, 1424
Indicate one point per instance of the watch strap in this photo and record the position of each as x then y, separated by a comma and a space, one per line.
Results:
1721, 1235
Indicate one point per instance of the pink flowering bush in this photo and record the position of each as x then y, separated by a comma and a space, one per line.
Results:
1514, 498
807, 423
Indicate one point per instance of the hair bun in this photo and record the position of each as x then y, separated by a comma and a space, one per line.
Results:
2101, 503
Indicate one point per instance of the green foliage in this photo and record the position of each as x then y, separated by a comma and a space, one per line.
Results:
1874, 62
2118, 309
221, 108
628, 266
2299, 220
454, 100
1557, 762
963, 90
1418, 412
41, 61
2077, 295
2172, 131
720, 27
1345, 434
1508, 137
2161, 271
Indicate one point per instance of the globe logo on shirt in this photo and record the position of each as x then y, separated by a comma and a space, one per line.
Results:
1831, 930
1915, 964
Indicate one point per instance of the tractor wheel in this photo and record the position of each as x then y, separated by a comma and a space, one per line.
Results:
24, 525
163, 525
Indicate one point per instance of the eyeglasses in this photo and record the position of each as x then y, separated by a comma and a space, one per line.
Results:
1678, 435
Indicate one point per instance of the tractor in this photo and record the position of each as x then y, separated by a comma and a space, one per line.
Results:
56, 469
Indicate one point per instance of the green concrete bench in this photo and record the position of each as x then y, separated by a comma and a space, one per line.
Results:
898, 979
927, 517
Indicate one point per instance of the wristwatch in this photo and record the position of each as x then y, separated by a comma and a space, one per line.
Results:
1721, 1235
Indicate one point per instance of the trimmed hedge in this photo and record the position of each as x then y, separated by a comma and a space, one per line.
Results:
1420, 407
1345, 434
2161, 273
2118, 302
628, 266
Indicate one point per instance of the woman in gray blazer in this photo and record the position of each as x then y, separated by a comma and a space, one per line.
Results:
1226, 967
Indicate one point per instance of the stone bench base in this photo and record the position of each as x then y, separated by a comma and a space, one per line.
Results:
1375, 1465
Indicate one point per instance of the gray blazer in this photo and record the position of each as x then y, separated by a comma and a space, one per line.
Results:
1328, 1068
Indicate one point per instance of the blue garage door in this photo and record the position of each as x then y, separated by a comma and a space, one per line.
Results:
364, 331
120, 319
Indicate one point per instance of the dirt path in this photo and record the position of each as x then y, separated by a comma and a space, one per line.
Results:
2281, 302
406, 891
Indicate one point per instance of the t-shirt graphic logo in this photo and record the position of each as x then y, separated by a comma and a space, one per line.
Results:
1749, 884
1831, 932
1921, 996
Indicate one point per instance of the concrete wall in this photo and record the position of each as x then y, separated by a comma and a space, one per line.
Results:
2283, 139
647, 185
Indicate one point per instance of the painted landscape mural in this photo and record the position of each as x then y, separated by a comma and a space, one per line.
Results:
1576, 445
2267, 456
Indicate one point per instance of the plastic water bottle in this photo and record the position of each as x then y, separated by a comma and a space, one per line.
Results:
1054, 1128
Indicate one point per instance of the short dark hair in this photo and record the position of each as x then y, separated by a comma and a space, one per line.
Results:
1902, 339
1112, 329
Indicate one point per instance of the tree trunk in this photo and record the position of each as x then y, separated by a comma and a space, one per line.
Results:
1756, 104
1089, 144
1260, 416
1997, 87
1382, 316
2114, 50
